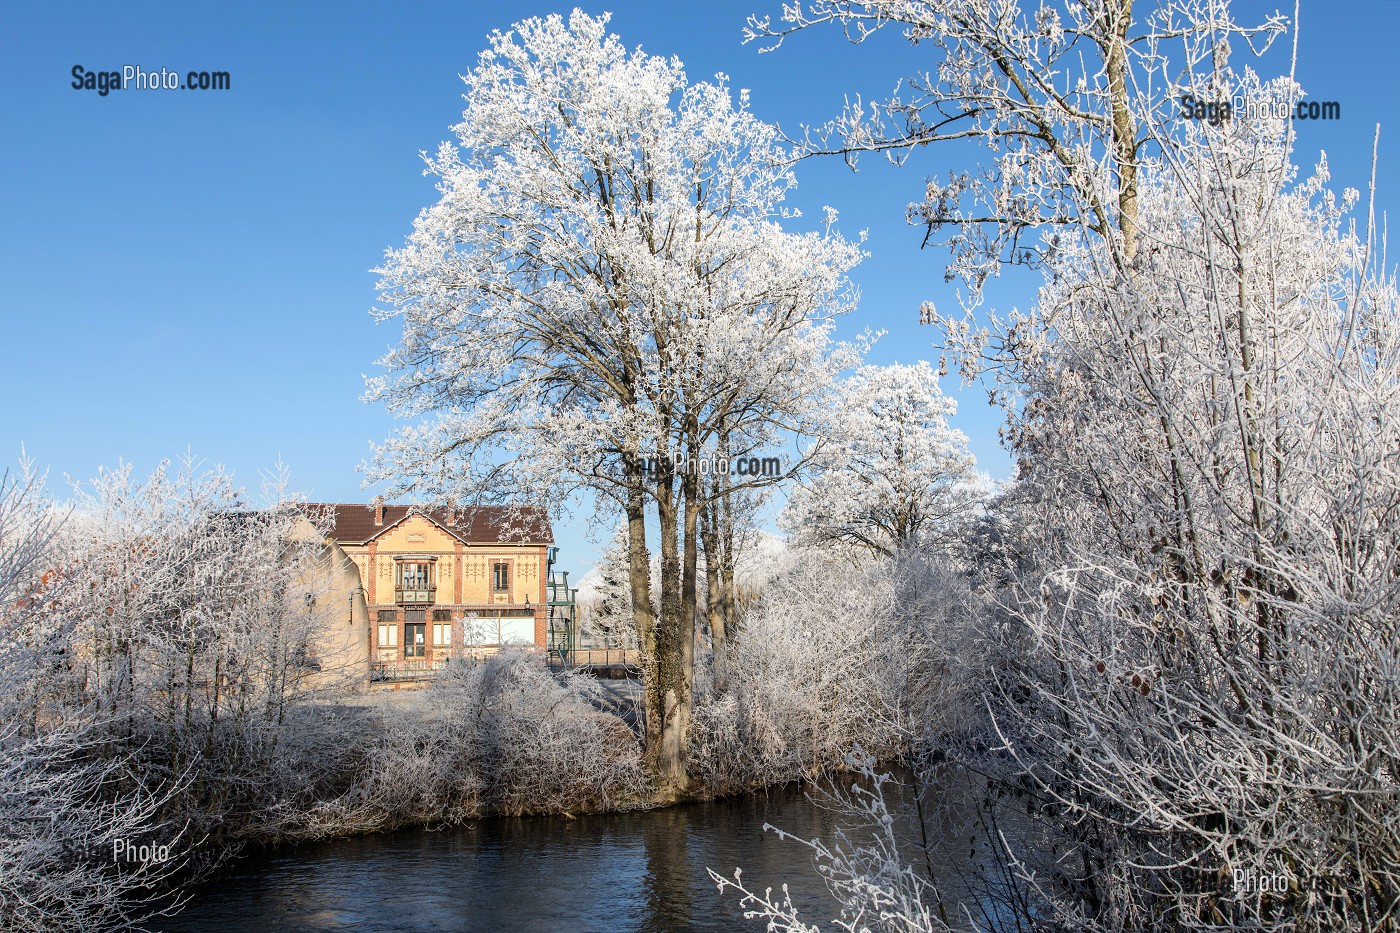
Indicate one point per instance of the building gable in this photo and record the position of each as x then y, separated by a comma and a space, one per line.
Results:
360, 523
415, 534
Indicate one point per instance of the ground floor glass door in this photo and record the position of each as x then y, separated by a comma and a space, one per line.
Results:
414, 640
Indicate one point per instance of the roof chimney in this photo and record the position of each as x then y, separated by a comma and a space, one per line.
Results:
378, 510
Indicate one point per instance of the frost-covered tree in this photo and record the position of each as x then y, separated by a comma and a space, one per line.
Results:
1196, 684
893, 475
602, 288
607, 616
64, 802
1193, 662
1054, 88
1212, 439
153, 646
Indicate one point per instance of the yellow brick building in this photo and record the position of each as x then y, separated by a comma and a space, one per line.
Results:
437, 583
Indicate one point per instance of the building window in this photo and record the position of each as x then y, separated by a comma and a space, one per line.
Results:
500, 577
388, 628
412, 576
415, 582
442, 635
442, 615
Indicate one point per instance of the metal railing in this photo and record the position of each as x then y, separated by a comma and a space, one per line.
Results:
381, 672
415, 669
596, 658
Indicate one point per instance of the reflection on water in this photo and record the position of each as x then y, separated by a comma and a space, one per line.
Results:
640, 871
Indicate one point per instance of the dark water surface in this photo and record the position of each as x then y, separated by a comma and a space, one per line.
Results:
642, 871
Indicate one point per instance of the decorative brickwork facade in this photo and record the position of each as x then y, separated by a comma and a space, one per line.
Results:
443, 583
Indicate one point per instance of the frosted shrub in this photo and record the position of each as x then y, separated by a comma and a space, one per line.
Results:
1209, 444
1195, 677
497, 735
875, 888
875, 655
65, 799
153, 645
536, 743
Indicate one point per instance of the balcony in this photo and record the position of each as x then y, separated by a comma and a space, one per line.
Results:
419, 596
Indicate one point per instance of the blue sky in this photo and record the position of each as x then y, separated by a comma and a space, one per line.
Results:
191, 269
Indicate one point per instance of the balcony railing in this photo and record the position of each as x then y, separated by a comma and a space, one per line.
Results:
416, 596
381, 672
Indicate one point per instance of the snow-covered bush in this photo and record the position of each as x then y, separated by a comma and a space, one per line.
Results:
533, 741
831, 656
70, 815
196, 617
1214, 439
1192, 669
1194, 662
496, 735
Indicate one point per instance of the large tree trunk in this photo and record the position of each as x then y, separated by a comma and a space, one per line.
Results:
728, 586
639, 580
685, 627
714, 595
674, 649
717, 537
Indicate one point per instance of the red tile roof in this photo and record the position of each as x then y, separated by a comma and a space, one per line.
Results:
353, 523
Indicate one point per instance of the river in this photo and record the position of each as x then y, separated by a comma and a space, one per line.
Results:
622, 872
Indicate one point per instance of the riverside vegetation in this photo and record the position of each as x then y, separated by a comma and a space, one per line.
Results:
159, 696
1164, 658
